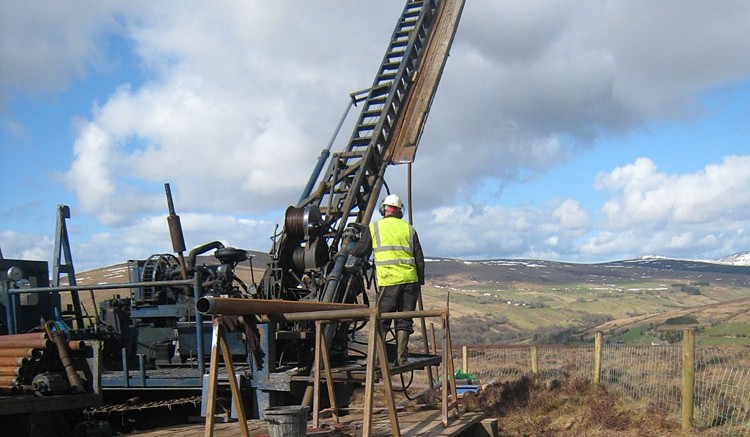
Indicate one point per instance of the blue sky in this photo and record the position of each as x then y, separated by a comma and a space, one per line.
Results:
580, 132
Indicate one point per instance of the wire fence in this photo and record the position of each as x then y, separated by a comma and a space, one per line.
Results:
652, 375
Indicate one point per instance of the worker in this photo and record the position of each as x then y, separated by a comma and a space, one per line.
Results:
399, 269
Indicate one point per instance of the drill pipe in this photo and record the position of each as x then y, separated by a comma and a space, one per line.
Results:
30, 335
36, 340
353, 314
76, 345
20, 352
14, 361
13, 371
9, 341
238, 307
8, 382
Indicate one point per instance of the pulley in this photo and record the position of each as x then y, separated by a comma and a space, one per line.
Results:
303, 223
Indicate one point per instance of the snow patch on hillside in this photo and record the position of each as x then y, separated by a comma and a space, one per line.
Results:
738, 259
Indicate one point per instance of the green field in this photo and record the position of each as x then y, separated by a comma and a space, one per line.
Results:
545, 311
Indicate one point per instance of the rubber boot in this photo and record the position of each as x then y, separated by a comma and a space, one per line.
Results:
402, 347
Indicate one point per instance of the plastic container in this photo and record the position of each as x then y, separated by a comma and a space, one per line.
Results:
287, 421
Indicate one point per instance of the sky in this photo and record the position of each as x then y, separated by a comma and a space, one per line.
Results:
579, 131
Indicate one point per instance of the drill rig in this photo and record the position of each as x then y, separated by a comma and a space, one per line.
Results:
312, 257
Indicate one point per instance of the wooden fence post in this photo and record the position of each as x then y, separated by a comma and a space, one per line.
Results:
597, 356
534, 365
465, 359
688, 377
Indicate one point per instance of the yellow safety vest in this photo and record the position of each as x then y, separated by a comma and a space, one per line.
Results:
394, 256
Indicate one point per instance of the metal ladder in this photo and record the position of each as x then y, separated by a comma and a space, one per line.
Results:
355, 174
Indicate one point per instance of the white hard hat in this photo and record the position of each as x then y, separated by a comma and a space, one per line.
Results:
394, 201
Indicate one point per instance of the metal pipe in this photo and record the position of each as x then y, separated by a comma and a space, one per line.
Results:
198, 323
76, 345
326, 152
202, 249
10, 371
125, 370
300, 311
8, 381
25, 343
17, 291
347, 315
12, 322
238, 306
142, 369
8, 311
19, 352
26, 336
334, 277
14, 361
175, 231
70, 371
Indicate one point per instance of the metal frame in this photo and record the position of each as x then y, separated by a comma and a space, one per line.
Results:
375, 342
13, 295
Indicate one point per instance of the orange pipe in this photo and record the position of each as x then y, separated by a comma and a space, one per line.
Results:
14, 361
35, 343
8, 381
76, 345
27, 336
10, 371
19, 352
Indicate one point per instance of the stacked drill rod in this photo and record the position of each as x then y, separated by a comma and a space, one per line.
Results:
23, 356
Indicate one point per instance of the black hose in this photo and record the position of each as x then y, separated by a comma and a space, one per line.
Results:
201, 249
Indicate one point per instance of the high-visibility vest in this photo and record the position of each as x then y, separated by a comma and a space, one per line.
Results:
393, 252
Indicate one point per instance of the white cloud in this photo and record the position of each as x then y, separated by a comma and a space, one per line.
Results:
43, 45
549, 230
701, 212
644, 196
90, 171
238, 98
571, 216
26, 246
231, 116
150, 235
235, 89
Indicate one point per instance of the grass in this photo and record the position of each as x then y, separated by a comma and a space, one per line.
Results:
636, 335
562, 305
728, 329
570, 408
724, 341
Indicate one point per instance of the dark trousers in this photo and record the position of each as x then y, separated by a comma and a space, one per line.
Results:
398, 298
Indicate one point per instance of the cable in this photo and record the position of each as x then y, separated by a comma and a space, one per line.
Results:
404, 387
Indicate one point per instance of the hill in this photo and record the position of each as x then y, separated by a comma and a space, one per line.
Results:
495, 301
505, 300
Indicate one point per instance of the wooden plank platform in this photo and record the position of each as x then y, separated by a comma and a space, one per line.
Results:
424, 423
413, 423
22, 404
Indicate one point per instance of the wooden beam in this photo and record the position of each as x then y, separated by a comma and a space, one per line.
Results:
386, 374
329, 377
236, 395
370, 374
213, 371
